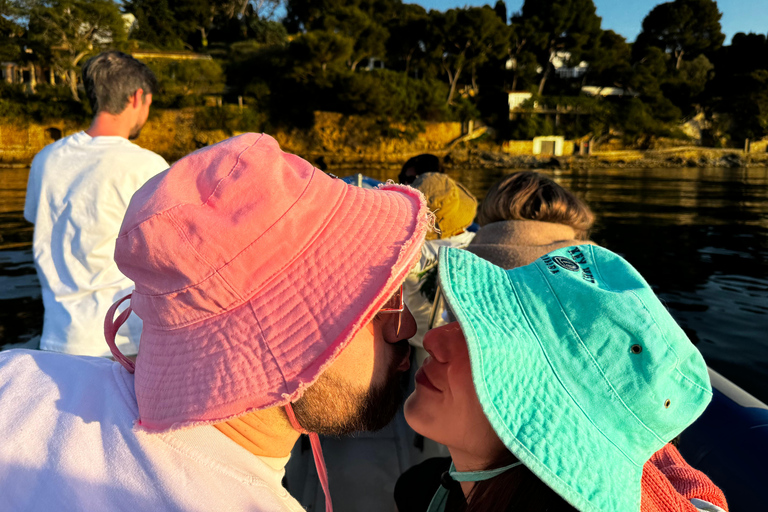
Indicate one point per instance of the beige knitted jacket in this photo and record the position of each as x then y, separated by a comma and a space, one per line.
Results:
514, 243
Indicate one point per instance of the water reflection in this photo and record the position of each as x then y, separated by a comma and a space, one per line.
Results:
699, 236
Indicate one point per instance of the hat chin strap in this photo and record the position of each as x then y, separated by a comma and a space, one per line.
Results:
440, 499
111, 325
317, 453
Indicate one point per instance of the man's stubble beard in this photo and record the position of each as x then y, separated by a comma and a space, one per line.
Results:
331, 407
135, 132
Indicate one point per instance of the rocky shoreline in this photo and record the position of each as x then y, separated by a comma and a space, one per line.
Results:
473, 158
490, 159
483, 159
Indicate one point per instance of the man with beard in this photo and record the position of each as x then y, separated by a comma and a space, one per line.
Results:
78, 191
271, 300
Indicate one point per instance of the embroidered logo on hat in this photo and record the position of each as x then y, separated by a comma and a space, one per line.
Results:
566, 263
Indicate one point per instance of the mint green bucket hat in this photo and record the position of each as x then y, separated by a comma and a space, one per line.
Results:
579, 368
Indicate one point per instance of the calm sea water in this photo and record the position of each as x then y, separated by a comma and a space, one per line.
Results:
699, 236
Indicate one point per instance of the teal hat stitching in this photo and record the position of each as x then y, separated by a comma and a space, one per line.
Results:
579, 368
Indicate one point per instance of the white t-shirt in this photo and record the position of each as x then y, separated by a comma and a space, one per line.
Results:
78, 191
67, 443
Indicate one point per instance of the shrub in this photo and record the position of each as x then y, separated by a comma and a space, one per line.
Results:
394, 97
229, 118
183, 83
50, 103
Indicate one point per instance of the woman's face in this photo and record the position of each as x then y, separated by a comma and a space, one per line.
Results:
444, 406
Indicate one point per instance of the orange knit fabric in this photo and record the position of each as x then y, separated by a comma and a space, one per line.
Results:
669, 483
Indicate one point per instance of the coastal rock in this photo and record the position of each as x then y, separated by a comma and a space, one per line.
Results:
731, 160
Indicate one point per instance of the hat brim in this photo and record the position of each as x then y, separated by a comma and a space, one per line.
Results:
292, 328
521, 394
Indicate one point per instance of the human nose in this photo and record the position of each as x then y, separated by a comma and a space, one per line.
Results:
441, 342
398, 327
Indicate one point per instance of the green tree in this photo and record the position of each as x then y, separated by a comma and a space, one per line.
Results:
683, 28
360, 21
640, 123
651, 113
156, 23
737, 93
265, 31
11, 32
746, 53
696, 73
500, 8
524, 37
751, 107
393, 97
368, 36
317, 52
66, 31
570, 26
240, 9
304, 15
173, 24
237, 20
463, 40
408, 29
182, 83
610, 63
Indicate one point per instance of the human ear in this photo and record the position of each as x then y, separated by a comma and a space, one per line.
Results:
138, 98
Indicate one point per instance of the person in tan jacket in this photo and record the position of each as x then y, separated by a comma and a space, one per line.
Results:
526, 215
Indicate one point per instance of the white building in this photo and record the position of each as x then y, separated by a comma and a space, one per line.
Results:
550, 145
596, 90
518, 98
561, 62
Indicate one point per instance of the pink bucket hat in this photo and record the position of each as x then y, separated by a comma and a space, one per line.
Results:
253, 270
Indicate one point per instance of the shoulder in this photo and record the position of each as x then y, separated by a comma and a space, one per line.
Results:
145, 157
35, 385
42, 370
36, 372
50, 150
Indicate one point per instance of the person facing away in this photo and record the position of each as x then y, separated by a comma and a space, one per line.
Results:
78, 191
270, 295
524, 216
418, 165
558, 388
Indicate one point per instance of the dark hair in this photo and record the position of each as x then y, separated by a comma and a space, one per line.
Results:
420, 164
513, 490
528, 195
111, 78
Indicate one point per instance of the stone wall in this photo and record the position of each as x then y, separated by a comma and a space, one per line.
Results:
21, 143
759, 146
518, 147
344, 139
525, 147
172, 134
